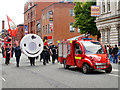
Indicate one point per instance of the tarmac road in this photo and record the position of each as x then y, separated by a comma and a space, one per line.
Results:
54, 76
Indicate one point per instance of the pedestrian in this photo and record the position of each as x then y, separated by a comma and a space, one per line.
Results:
119, 55
32, 61
110, 53
7, 52
45, 53
115, 52
53, 53
17, 53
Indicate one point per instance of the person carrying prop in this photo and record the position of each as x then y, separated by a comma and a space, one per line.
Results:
32, 61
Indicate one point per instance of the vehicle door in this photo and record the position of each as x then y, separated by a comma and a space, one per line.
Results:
78, 54
69, 54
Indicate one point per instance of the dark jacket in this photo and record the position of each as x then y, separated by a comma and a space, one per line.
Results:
17, 51
110, 51
7, 54
115, 50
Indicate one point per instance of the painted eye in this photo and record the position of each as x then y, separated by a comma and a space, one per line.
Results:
39, 45
24, 45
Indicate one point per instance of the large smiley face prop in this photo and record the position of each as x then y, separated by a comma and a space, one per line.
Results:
31, 45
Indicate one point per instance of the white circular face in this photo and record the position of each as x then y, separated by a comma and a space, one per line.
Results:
31, 45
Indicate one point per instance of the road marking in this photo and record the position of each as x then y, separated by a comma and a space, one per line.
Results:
116, 70
3, 79
114, 75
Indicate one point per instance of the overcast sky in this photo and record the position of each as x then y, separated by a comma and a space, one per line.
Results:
14, 9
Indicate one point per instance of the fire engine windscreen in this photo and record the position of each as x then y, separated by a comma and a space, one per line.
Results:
93, 47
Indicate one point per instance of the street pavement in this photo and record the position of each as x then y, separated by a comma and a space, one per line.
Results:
54, 76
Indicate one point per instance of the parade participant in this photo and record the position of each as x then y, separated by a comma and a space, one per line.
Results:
17, 53
115, 52
45, 55
53, 49
7, 52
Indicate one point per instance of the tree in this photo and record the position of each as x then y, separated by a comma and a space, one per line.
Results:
83, 19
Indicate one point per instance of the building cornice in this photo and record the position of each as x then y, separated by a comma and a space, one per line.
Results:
107, 18
57, 3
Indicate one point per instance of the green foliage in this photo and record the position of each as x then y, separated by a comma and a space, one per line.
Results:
83, 19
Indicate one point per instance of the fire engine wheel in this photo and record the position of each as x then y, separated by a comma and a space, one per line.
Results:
109, 69
65, 65
86, 69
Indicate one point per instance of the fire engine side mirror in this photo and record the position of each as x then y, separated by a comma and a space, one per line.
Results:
79, 51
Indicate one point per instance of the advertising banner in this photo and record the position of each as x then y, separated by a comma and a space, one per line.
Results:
95, 11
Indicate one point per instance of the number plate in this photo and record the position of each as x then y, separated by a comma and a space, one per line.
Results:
100, 66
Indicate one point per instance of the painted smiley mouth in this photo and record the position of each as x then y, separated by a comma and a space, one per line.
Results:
32, 53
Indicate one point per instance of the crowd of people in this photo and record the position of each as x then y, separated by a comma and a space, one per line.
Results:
49, 50
50, 54
113, 53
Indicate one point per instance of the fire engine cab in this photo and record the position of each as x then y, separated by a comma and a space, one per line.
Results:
84, 53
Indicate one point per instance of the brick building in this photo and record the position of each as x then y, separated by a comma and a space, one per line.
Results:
20, 33
50, 19
32, 16
57, 20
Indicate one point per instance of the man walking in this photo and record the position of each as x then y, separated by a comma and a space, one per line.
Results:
17, 53
115, 52
7, 52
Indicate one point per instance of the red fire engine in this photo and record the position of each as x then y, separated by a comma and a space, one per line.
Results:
84, 53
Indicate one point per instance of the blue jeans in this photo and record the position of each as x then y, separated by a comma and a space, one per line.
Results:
115, 58
110, 57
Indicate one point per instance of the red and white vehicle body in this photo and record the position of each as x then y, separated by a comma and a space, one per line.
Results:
83, 53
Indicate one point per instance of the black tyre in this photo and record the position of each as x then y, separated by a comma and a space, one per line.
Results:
86, 69
109, 69
65, 65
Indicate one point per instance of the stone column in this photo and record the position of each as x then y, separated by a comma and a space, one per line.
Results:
105, 35
101, 32
113, 35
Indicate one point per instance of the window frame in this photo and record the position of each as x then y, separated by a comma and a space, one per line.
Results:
46, 29
76, 50
71, 28
43, 30
103, 6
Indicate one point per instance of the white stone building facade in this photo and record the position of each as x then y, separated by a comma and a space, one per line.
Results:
108, 23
